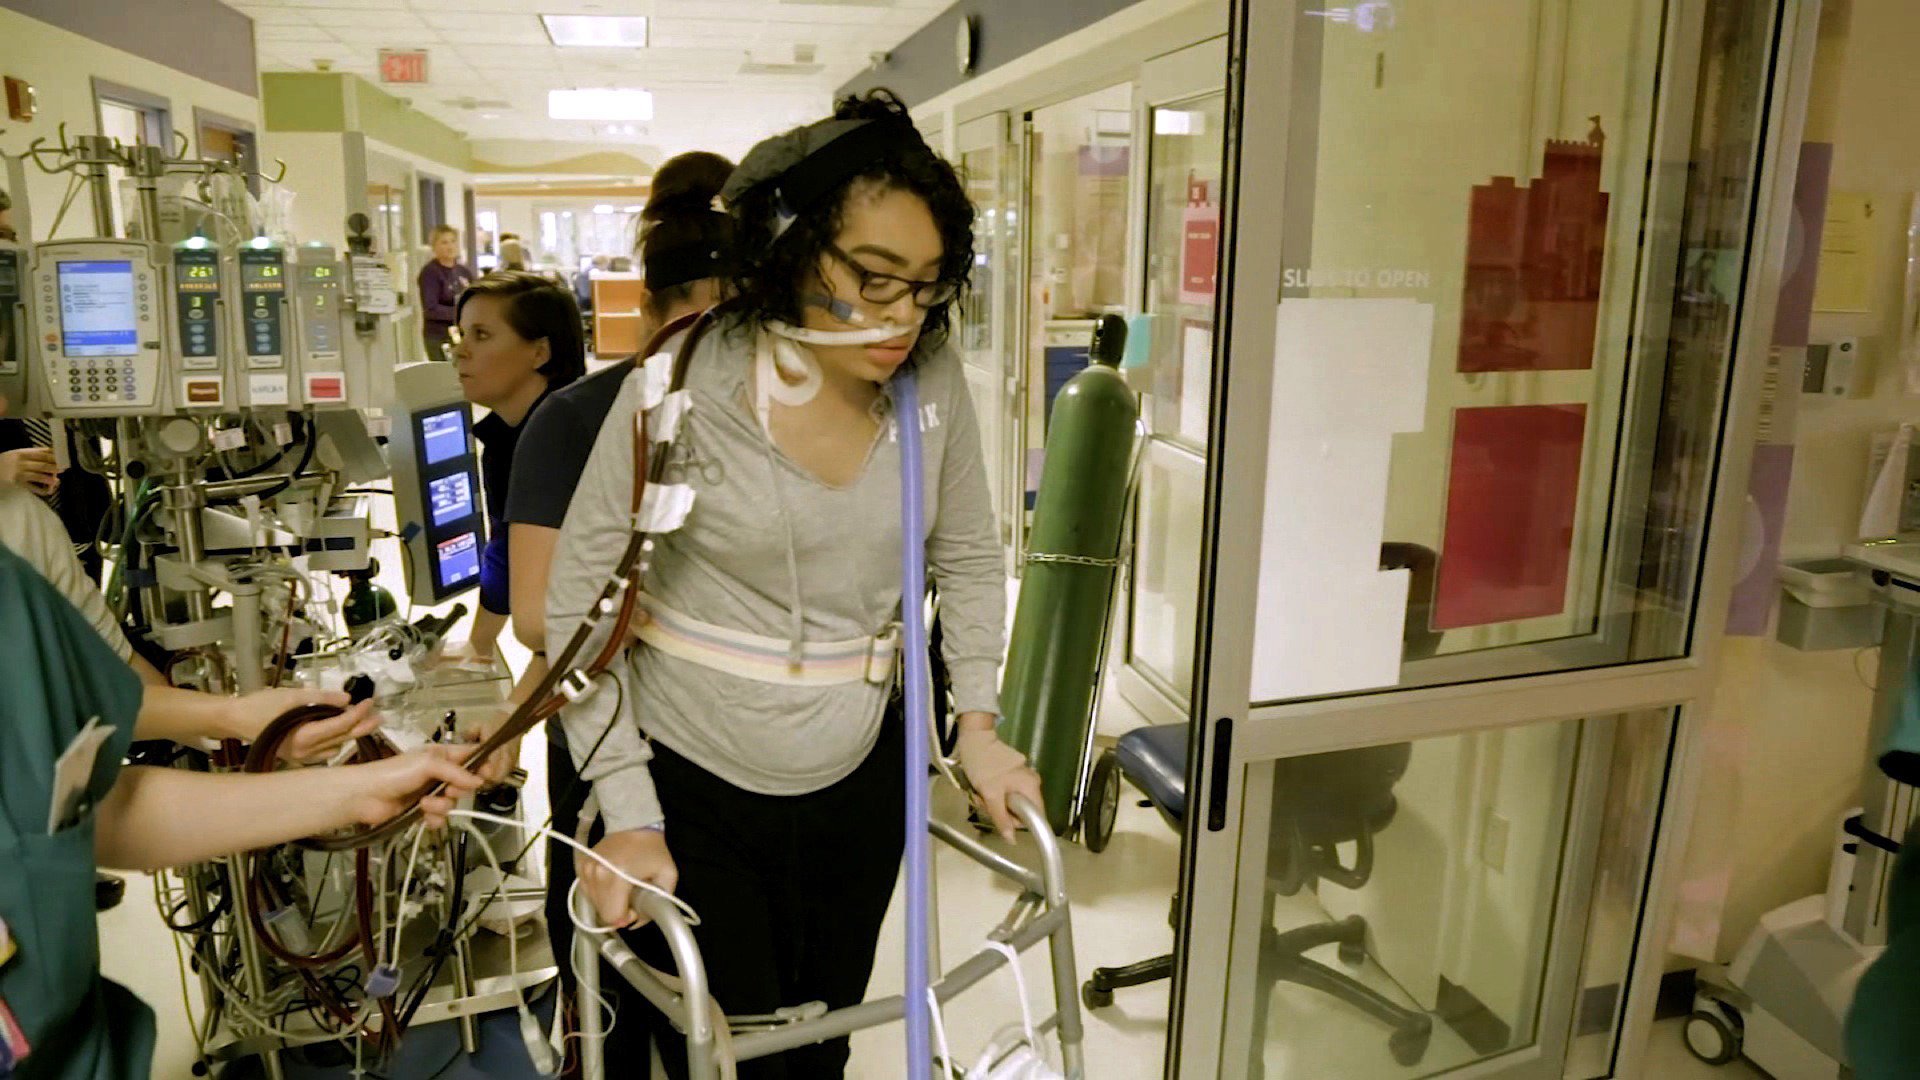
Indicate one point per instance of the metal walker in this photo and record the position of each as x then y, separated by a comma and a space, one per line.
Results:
1040, 913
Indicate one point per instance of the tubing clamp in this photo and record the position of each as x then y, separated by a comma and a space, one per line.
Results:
576, 685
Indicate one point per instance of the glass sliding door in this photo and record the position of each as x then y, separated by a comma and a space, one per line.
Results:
1458, 489
989, 165
1185, 135
1077, 232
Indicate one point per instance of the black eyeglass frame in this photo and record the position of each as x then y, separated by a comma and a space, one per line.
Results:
926, 294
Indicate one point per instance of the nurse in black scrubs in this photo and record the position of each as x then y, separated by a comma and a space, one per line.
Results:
520, 340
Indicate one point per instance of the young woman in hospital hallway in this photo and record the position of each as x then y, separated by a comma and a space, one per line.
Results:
762, 780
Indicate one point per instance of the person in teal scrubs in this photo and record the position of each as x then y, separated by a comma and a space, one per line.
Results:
67, 711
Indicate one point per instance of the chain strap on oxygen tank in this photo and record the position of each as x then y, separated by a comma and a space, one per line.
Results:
1075, 560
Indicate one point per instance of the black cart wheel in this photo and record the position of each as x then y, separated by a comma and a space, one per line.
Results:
1711, 1038
1102, 805
1409, 1044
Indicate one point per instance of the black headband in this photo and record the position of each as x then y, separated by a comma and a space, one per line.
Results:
812, 177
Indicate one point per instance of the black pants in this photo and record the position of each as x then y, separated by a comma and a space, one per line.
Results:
791, 892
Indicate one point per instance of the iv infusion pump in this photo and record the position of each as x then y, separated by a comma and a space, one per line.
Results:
102, 321
16, 329
129, 328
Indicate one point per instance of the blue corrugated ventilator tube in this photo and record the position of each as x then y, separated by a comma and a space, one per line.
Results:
913, 617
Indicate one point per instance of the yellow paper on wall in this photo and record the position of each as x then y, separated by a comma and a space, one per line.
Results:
1845, 281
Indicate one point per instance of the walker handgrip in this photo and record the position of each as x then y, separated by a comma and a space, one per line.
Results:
1052, 868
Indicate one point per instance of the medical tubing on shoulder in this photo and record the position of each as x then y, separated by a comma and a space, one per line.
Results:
913, 617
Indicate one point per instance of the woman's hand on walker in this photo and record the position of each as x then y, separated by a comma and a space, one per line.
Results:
997, 772
641, 853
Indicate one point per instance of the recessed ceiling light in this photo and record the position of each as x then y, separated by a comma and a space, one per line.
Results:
599, 104
597, 31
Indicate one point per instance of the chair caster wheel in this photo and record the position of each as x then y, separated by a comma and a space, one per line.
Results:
1094, 997
1353, 953
1409, 1044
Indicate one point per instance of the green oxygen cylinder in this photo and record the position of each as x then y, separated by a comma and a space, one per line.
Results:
1060, 622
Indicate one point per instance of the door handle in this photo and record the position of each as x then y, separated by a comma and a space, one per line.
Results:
1218, 774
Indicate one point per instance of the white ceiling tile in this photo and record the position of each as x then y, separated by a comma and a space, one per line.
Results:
312, 7
273, 34
526, 25
384, 37
271, 15
398, 21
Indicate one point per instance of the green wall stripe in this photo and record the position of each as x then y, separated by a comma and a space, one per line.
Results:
303, 101
389, 120
334, 101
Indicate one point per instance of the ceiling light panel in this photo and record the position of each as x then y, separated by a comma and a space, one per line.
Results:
600, 104
596, 31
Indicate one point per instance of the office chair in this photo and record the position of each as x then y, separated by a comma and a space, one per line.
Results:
1320, 802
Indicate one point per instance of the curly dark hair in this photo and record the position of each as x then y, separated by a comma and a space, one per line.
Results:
766, 274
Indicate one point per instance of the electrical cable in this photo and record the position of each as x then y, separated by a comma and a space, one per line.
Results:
567, 797
693, 917
309, 439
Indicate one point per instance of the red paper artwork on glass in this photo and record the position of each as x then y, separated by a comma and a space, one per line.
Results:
1534, 258
1513, 487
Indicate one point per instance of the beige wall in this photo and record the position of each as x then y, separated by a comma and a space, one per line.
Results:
316, 179
1793, 745
61, 65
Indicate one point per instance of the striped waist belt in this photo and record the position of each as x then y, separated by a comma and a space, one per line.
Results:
770, 659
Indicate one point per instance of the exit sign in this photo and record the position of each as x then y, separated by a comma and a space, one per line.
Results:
403, 65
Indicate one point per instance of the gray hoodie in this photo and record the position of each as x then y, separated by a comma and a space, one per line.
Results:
731, 565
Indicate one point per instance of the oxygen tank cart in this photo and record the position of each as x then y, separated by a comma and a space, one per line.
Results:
1056, 654
716, 1042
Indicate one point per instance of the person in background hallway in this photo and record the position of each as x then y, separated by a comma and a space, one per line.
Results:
513, 255
583, 281
441, 282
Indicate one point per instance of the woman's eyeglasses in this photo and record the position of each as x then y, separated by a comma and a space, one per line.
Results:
879, 288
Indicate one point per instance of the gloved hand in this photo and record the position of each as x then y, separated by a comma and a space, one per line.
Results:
996, 772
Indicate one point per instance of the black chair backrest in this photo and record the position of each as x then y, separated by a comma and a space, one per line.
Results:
1324, 800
